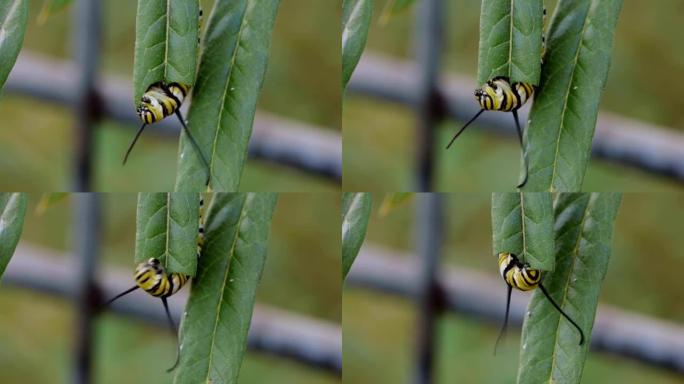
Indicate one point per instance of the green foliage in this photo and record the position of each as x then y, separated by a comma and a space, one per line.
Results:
50, 7
550, 352
393, 200
522, 224
12, 212
219, 311
356, 210
165, 44
356, 20
393, 7
47, 200
13, 18
231, 72
166, 229
510, 40
563, 117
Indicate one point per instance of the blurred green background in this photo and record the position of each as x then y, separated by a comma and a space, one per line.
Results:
379, 330
302, 275
302, 83
644, 84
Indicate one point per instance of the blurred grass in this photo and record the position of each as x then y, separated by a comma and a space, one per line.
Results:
644, 83
379, 329
302, 83
301, 275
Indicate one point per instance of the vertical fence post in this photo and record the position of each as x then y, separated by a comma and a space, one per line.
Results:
86, 43
86, 226
429, 233
427, 47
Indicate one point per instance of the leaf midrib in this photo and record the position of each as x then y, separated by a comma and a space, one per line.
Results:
168, 223
567, 96
166, 40
566, 286
225, 89
522, 220
11, 11
510, 42
223, 288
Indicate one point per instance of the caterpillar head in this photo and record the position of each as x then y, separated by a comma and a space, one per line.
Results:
149, 111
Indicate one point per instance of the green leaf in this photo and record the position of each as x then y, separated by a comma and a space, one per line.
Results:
356, 209
356, 20
166, 35
550, 352
394, 7
563, 117
167, 229
219, 311
50, 7
48, 200
393, 200
231, 72
510, 40
12, 211
13, 18
522, 224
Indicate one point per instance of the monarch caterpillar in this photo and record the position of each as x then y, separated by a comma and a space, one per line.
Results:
499, 94
162, 100
520, 276
159, 101
151, 277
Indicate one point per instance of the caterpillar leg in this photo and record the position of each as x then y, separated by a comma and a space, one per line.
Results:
522, 147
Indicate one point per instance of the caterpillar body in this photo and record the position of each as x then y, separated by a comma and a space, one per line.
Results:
520, 276
152, 277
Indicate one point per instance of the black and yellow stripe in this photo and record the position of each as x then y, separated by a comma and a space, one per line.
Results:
152, 278
520, 276
161, 101
158, 102
499, 94
516, 274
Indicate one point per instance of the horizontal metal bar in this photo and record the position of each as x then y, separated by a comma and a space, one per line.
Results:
286, 142
625, 141
626, 334
310, 341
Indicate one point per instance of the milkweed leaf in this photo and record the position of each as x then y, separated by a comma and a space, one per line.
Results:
167, 229
219, 311
13, 19
393, 200
522, 224
394, 7
12, 212
166, 34
50, 7
356, 210
356, 20
234, 56
583, 231
510, 40
563, 116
